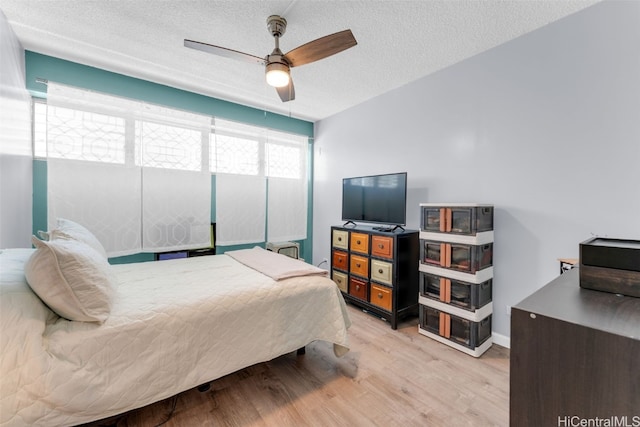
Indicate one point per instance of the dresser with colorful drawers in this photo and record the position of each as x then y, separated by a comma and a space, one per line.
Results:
377, 270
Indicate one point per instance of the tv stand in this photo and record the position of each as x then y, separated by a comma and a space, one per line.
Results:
377, 270
350, 222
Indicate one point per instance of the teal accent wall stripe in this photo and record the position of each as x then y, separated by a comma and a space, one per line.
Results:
39, 214
44, 67
127, 259
213, 198
306, 247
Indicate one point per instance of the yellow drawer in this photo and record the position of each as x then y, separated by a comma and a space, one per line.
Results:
380, 296
360, 243
341, 280
340, 239
359, 265
382, 271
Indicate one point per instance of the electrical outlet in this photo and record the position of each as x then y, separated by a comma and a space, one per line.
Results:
508, 310
325, 260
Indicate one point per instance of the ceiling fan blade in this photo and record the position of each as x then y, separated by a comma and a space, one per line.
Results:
223, 51
287, 93
321, 48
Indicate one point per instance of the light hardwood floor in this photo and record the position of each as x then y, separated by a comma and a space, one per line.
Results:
389, 378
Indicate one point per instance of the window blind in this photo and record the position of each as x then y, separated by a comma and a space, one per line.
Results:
135, 174
261, 183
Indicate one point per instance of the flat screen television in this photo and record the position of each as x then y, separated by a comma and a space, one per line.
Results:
380, 199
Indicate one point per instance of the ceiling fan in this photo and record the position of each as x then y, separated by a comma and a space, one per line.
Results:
278, 65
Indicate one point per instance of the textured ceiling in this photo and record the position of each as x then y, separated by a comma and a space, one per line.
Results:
398, 41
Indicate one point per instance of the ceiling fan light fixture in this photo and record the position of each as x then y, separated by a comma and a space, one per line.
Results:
277, 74
277, 64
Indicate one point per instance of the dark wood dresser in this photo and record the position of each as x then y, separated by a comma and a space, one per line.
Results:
575, 355
377, 270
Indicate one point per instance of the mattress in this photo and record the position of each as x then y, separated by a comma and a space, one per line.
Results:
174, 324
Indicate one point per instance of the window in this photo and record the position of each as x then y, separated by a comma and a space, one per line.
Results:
277, 161
164, 159
284, 161
169, 147
135, 174
234, 155
84, 135
39, 128
74, 134
236, 148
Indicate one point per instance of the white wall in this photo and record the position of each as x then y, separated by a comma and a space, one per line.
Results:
15, 143
545, 127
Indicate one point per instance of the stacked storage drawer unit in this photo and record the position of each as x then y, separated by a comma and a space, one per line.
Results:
456, 275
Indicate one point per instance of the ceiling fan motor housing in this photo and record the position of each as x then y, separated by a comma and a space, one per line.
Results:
277, 58
276, 25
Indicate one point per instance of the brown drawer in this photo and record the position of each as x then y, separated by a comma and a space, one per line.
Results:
358, 288
341, 280
340, 239
359, 265
382, 246
360, 243
340, 260
381, 296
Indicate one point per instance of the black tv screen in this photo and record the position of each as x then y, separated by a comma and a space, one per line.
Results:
380, 199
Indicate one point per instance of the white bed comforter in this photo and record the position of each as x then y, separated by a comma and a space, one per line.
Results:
174, 325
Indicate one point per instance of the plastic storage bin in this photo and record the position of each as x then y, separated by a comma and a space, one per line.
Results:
468, 220
469, 296
456, 329
456, 256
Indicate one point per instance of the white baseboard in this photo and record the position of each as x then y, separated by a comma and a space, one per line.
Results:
501, 340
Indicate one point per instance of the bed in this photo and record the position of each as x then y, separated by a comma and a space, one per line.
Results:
172, 325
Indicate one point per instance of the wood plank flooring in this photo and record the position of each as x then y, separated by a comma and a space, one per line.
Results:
389, 378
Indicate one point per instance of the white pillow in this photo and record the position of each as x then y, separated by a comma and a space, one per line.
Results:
71, 230
72, 278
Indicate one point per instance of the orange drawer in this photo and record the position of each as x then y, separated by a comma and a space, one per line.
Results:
358, 288
382, 246
340, 260
341, 280
380, 296
360, 243
359, 265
